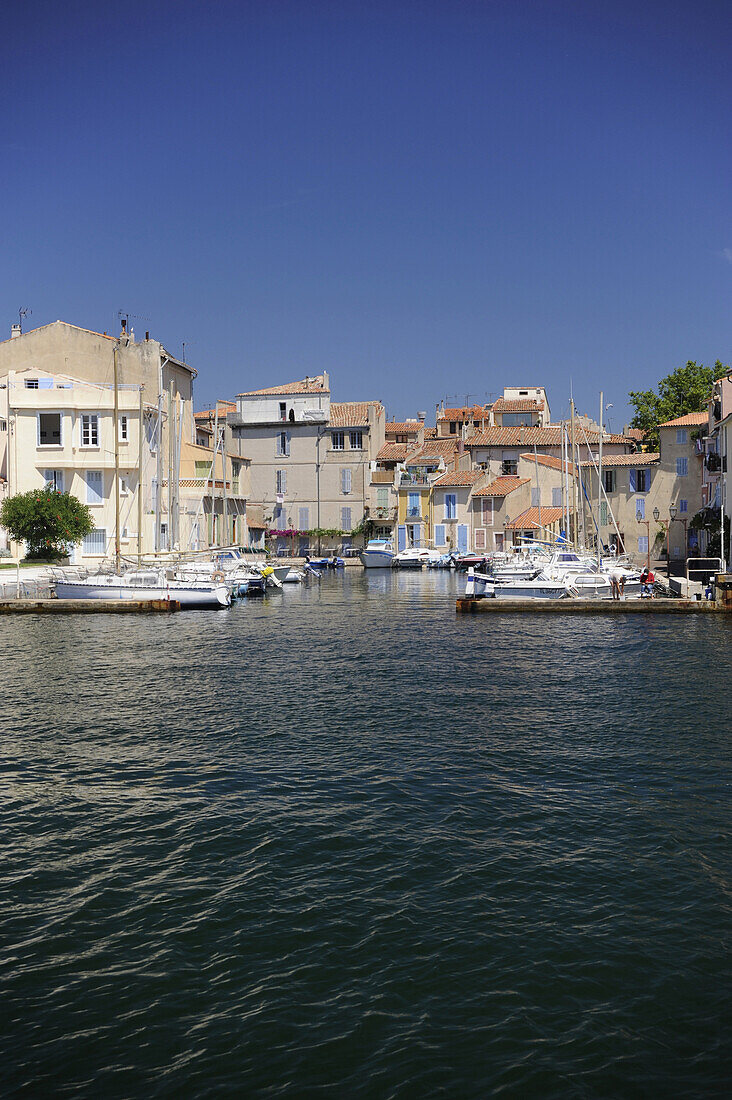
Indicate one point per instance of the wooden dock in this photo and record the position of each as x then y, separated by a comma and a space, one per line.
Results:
470, 605
69, 607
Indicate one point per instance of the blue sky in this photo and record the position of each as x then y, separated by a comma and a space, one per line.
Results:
425, 199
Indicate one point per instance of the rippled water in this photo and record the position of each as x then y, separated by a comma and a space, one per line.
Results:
343, 843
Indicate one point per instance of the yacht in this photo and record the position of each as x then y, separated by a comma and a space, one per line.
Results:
378, 554
145, 584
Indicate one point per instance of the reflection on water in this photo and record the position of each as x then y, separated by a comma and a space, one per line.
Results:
342, 841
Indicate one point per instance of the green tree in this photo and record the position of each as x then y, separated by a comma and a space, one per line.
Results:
46, 520
685, 390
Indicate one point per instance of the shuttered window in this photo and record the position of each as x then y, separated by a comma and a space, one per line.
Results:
682, 467
345, 519
556, 498
281, 482
487, 511
345, 480
96, 542
450, 506
94, 487
54, 480
440, 539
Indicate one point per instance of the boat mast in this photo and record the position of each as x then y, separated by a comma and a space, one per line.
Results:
576, 476
139, 483
538, 490
116, 464
599, 484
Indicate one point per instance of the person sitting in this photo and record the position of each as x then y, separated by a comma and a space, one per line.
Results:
647, 580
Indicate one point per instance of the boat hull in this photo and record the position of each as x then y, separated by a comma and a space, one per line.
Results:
376, 559
217, 596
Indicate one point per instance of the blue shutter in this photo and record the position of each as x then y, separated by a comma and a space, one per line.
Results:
413, 504
289, 438
345, 519
345, 481
402, 537
556, 498
440, 535
640, 507
94, 487
45, 383
304, 519
631, 479
462, 537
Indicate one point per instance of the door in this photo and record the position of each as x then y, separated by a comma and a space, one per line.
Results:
402, 537
462, 538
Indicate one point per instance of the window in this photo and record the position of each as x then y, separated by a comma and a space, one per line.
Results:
337, 441
682, 467
151, 432
356, 441
3, 425
639, 481
509, 465
345, 519
683, 506
123, 428
283, 444
89, 430
640, 508
413, 508
281, 482
54, 480
440, 539
556, 498
345, 481
453, 427
49, 430
203, 469
94, 486
31, 383
96, 542
303, 519
382, 498
681, 435
283, 410
608, 477
487, 511
450, 506
514, 420
643, 544
535, 498
123, 487
603, 513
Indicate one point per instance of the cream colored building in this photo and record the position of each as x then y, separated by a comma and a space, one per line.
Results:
311, 459
57, 400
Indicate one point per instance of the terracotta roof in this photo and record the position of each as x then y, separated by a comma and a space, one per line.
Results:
306, 385
350, 414
435, 448
502, 486
518, 404
467, 412
402, 427
530, 518
460, 477
547, 437
393, 452
430, 433
637, 459
552, 462
687, 420
636, 433
210, 414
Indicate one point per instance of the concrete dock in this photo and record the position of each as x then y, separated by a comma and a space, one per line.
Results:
467, 605
68, 607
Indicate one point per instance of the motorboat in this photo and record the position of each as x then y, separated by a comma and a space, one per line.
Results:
538, 588
377, 554
145, 584
415, 557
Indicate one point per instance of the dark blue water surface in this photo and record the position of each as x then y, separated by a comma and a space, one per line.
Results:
343, 843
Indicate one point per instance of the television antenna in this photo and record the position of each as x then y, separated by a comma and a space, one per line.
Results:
23, 312
135, 317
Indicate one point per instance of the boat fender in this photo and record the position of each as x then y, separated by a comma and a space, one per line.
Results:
218, 576
267, 571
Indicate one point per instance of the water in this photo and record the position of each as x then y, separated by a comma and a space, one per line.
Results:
343, 843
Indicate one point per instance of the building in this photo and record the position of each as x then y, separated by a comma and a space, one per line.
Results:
495, 505
527, 406
498, 449
311, 460
57, 427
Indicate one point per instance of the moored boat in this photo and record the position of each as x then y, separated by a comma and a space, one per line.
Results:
145, 584
378, 554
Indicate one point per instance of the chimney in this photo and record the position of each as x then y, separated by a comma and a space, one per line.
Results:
15, 331
124, 327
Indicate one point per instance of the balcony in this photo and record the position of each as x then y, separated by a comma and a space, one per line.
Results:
413, 481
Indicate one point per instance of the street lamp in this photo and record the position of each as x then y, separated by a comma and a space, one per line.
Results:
666, 524
672, 511
641, 519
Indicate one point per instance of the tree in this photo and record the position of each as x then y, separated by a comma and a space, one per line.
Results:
46, 520
685, 390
